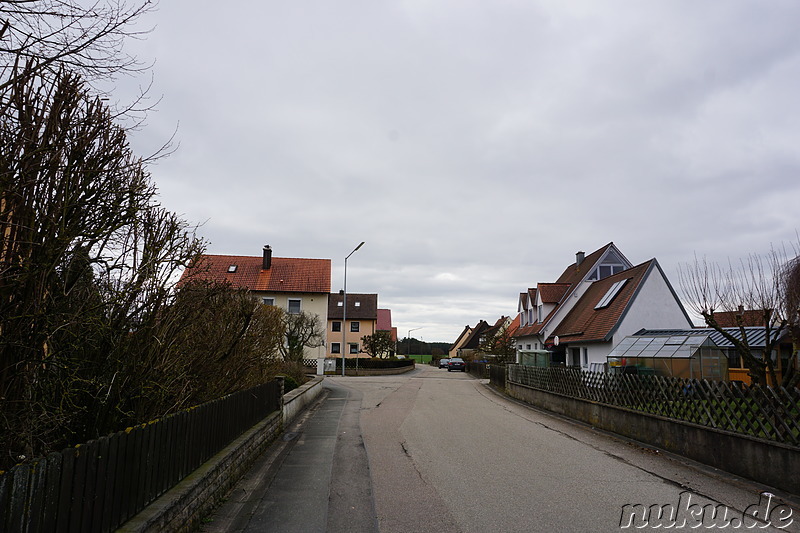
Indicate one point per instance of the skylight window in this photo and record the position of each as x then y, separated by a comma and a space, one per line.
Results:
232, 268
358, 304
606, 300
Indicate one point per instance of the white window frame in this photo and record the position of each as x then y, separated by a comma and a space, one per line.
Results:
336, 347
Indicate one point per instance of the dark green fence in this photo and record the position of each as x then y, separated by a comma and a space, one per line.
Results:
99, 485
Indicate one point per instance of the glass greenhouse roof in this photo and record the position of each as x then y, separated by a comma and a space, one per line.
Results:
681, 346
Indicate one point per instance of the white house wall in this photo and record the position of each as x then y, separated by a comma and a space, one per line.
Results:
654, 307
312, 302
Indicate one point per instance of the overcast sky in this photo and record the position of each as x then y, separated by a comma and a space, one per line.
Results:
476, 145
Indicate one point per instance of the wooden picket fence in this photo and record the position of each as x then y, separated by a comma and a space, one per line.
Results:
763, 412
99, 485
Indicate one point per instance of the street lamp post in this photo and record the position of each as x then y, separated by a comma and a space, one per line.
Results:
408, 351
344, 307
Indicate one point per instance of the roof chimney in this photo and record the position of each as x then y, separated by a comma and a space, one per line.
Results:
267, 261
579, 257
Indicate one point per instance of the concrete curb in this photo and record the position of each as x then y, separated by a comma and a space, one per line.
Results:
183, 507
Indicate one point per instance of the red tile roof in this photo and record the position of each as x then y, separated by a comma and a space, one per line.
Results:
384, 320
285, 274
750, 317
552, 293
575, 273
585, 323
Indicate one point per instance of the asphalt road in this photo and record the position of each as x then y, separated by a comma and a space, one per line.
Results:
441, 452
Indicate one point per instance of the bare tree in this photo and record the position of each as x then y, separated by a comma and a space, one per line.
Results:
82, 37
379, 344
499, 343
790, 288
301, 330
87, 261
753, 288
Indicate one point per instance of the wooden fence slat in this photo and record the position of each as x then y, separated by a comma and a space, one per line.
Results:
5, 501
78, 488
51, 493
36, 490
113, 517
65, 492
90, 450
101, 479
19, 494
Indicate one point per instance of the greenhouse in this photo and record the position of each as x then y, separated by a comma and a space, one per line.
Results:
683, 356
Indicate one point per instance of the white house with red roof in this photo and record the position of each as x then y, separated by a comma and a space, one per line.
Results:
294, 284
597, 301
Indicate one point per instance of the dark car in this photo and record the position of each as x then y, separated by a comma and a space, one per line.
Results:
456, 363
443, 362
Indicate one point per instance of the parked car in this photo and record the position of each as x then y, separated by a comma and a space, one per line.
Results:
443, 362
456, 363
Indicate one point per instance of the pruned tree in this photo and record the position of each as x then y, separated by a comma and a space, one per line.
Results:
379, 344
83, 37
301, 330
756, 287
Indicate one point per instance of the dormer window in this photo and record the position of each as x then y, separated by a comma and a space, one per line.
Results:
232, 269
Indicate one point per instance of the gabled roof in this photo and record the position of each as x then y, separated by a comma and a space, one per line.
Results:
473, 339
497, 325
567, 283
514, 326
359, 306
576, 273
552, 293
384, 320
525, 297
285, 274
461, 338
589, 320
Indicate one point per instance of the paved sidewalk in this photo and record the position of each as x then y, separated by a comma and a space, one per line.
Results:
314, 478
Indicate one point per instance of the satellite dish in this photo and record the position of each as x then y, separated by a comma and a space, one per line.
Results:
555, 340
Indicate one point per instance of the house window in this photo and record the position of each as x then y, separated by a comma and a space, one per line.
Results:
294, 306
586, 357
335, 347
232, 269
268, 301
336, 326
527, 346
520, 347
353, 347
355, 326
539, 312
605, 301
